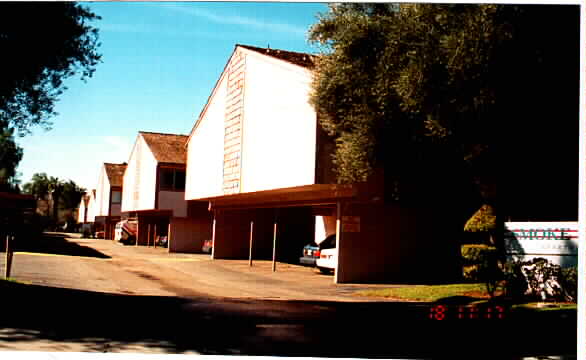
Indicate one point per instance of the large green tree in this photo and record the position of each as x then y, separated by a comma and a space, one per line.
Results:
444, 95
42, 44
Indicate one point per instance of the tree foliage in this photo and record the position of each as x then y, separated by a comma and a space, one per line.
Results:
71, 195
62, 194
483, 220
10, 156
42, 45
427, 91
38, 187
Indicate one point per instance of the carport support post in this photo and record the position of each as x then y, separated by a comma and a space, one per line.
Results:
8, 263
338, 239
250, 248
137, 230
275, 245
148, 235
169, 234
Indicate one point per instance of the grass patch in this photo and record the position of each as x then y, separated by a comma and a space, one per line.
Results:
545, 306
13, 280
429, 293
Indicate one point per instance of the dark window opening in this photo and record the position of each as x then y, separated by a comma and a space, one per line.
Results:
172, 180
116, 197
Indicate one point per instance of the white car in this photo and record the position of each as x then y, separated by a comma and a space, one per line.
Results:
327, 261
328, 255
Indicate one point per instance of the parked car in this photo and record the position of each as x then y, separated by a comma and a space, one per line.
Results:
310, 254
328, 258
207, 246
125, 232
86, 230
162, 241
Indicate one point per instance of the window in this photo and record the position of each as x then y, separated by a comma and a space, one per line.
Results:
172, 180
116, 197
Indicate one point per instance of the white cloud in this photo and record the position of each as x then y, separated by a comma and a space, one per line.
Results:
157, 30
235, 19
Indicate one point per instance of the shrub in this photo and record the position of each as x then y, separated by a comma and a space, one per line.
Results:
539, 279
477, 261
484, 220
569, 282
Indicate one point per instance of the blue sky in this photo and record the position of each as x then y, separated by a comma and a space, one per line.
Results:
160, 63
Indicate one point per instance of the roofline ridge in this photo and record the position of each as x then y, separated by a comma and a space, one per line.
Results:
260, 48
159, 133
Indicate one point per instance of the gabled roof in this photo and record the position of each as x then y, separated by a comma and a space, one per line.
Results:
302, 59
167, 148
115, 173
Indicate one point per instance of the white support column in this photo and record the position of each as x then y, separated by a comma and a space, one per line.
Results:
250, 247
213, 235
338, 240
275, 246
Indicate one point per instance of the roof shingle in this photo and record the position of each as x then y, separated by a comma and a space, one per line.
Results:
301, 59
115, 173
167, 148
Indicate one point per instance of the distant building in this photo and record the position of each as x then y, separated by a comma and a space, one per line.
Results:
154, 193
109, 197
82, 210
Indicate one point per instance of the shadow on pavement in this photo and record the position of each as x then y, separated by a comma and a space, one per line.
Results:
56, 244
105, 322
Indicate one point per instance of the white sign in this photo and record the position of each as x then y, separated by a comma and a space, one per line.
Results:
550, 240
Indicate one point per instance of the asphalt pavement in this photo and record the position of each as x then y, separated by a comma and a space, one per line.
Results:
96, 296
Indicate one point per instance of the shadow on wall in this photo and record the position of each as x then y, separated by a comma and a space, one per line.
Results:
515, 248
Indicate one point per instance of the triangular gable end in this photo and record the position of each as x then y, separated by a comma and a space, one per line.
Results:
300, 61
144, 144
213, 93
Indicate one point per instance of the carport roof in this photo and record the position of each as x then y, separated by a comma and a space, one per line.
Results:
16, 201
150, 212
307, 195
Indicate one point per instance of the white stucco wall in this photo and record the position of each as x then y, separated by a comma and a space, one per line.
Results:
173, 200
324, 227
91, 209
205, 151
279, 131
81, 212
139, 187
103, 193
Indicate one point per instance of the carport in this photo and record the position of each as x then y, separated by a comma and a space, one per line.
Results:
376, 242
184, 234
150, 224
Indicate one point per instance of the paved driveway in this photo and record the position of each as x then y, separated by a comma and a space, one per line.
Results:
227, 308
106, 266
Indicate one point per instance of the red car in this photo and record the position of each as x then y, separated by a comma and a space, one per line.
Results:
207, 246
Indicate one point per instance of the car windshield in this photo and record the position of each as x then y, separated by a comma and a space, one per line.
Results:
328, 243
